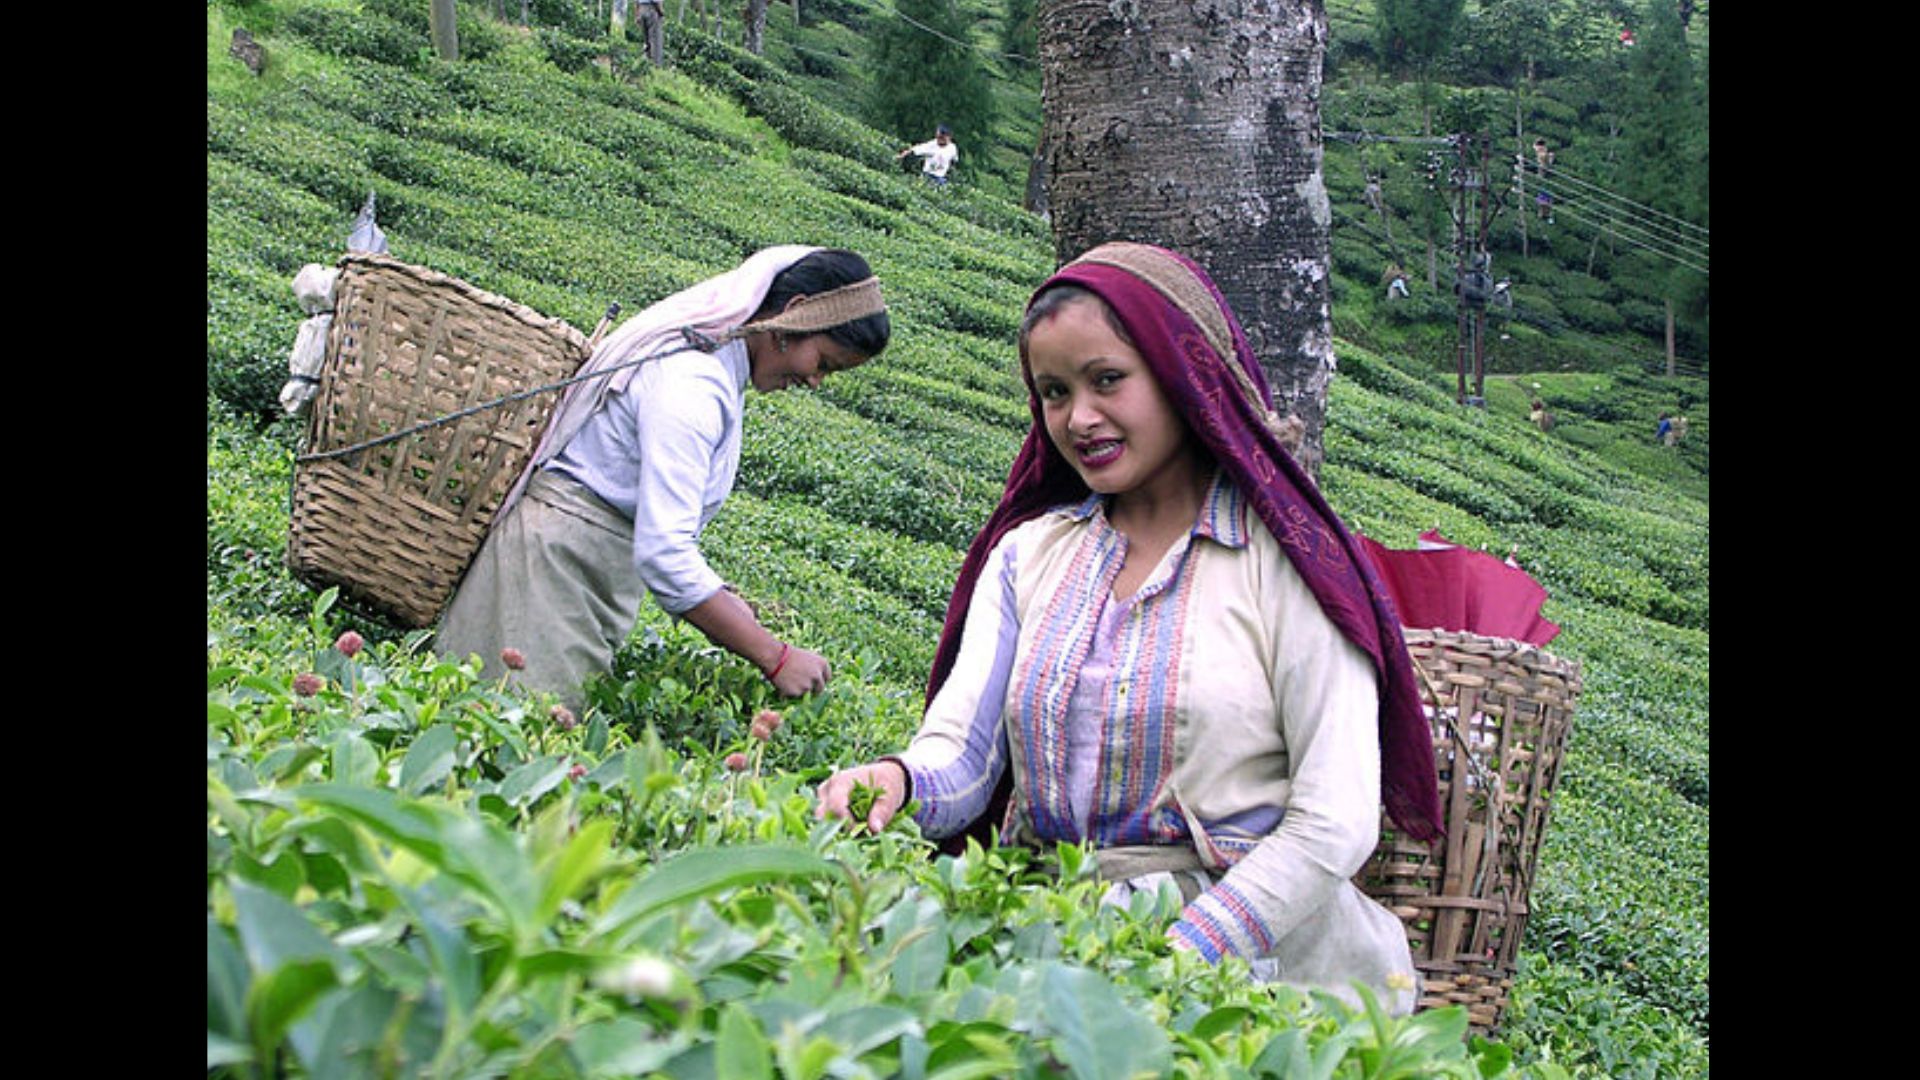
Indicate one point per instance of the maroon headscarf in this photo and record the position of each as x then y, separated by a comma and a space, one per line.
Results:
1189, 337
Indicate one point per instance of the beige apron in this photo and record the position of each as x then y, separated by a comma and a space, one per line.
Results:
554, 580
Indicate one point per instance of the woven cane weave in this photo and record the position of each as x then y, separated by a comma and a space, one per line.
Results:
1501, 712
395, 526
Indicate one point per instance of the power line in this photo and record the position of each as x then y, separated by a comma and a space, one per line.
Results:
1653, 229
911, 21
1648, 229
1645, 247
1556, 170
1653, 232
1520, 314
1367, 136
1632, 231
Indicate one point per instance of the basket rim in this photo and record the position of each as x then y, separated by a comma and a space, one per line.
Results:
1507, 648
374, 261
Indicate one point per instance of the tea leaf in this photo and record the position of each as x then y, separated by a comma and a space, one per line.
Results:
868, 1027
1096, 1033
273, 932
227, 980
224, 1051
741, 1052
428, 760
579, 863
354, 760
532, 780
1220, 1021
453, 960
624, 1047
703, 871
280, 997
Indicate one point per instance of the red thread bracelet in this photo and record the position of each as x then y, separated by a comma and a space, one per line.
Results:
785, 651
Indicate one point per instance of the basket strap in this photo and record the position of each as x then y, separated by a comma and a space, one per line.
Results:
689, 336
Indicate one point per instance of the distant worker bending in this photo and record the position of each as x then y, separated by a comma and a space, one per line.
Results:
940, 153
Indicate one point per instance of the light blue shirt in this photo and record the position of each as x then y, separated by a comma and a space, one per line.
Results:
665, 452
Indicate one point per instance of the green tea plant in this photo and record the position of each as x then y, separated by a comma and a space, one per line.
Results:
413, 871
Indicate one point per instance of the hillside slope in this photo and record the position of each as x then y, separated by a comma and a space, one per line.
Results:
568, 189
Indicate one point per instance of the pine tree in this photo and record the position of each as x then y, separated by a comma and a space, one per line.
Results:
1665, 148
926, 71
1414, 34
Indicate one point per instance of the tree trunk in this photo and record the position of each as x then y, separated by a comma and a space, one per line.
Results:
1035, 198
1520, 169
755, 17
1196, 126
1670, 352
441, 20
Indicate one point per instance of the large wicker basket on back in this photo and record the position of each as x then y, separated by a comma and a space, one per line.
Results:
396, 524
1501, 711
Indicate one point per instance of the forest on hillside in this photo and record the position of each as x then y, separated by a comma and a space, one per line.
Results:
1616, 90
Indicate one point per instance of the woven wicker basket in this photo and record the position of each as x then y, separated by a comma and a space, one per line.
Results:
395, 525
1501, 711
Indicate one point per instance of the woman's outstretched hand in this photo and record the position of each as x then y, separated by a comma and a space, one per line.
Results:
801, 671
887, 778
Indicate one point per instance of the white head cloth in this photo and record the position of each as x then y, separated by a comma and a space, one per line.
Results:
711, 307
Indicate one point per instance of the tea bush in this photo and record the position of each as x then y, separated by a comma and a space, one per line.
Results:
342, 32
395, 852
411, 871
566, 52
836, 173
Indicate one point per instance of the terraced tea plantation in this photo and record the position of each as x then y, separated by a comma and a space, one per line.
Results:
414, 872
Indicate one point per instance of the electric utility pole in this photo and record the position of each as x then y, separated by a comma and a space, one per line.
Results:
1475, 203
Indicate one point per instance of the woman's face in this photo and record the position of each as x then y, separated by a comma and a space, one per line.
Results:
1103, 407
804, 361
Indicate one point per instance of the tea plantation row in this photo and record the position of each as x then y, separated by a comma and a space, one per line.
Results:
364, 838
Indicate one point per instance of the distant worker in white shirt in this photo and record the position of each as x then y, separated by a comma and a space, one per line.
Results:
940, 154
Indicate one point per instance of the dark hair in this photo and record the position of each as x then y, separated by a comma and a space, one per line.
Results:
827, 269
1049, 303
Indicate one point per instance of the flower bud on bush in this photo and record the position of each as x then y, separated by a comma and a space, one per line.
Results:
577, 771
513, 658
307, 684
562, 717
349, 644
736, 762
765, 723
640, 977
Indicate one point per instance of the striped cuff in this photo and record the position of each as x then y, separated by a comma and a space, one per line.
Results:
1221, 921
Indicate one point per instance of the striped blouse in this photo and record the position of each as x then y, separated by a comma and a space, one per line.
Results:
1217, 707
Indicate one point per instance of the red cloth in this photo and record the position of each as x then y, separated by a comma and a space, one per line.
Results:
1442, 586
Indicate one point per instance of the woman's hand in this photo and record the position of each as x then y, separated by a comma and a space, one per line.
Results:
799, 671
887, 776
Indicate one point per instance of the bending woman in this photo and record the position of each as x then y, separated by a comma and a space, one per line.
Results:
635, 464
1170, 645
